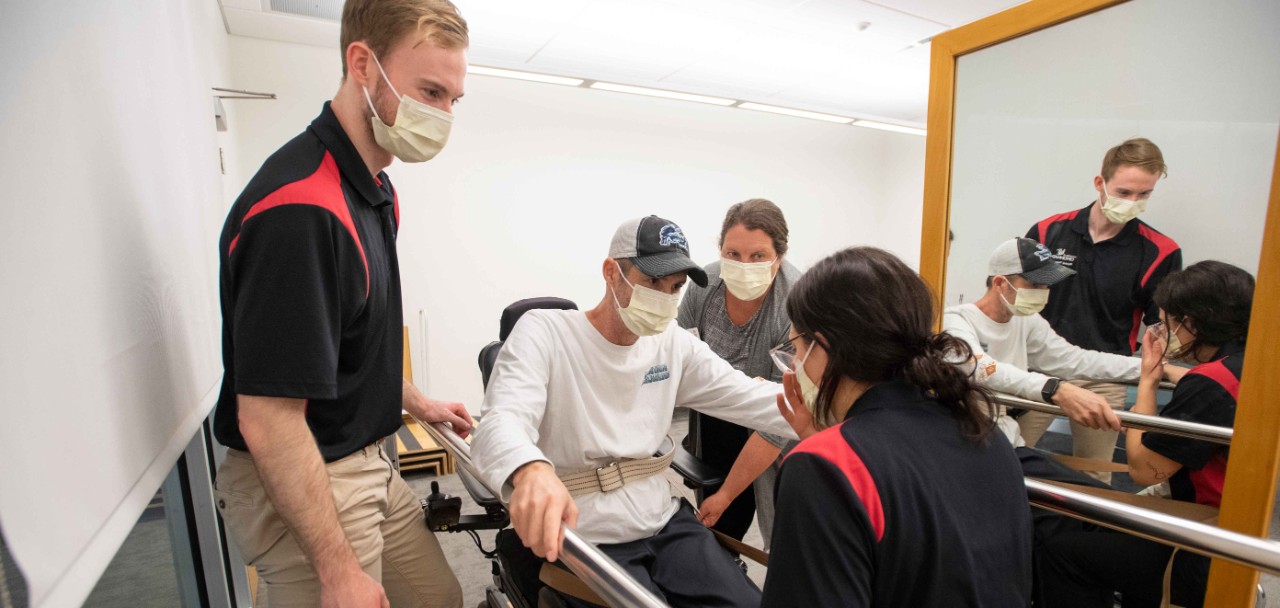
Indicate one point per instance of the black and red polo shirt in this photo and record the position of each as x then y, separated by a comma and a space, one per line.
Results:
1104, 306
896, 507
310, 289
1208, 395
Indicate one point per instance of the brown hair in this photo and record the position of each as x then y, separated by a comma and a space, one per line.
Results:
380, 23
876, 317
1137, 152
758, 214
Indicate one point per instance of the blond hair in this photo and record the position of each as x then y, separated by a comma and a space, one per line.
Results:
380, 23
1137, 152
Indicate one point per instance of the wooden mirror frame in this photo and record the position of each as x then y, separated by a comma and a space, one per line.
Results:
1250, 489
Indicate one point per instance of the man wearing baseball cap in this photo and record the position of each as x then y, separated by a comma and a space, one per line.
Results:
1008, 338
579, 402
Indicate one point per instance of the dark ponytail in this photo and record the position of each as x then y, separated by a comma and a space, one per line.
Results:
874, 317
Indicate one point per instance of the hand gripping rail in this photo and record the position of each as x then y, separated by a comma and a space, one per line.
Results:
1155, 424
597, 570
1193, 536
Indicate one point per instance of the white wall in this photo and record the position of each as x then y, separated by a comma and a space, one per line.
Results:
1035, 115
110, 314
536, 177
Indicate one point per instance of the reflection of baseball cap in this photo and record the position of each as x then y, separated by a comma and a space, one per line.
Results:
657, 247
1027, 258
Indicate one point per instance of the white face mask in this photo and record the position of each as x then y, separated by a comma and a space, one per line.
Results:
649, 312
1026, 302
1121, 210
808, 388
746, 281
420, 131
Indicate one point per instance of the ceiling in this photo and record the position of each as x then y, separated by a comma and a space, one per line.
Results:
856, 58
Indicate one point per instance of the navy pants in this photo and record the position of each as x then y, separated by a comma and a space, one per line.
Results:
682, 564
1082, 565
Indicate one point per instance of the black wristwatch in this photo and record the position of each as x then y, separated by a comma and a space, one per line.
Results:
1050, 388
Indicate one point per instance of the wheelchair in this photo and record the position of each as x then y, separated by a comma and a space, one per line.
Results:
510, 562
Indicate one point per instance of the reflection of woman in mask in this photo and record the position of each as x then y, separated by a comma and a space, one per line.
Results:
1204, 313
741, 315
908, 467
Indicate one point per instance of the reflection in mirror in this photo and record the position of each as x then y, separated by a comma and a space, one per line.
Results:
1035, 115
1033, 119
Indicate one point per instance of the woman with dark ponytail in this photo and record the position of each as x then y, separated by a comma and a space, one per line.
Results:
900, 494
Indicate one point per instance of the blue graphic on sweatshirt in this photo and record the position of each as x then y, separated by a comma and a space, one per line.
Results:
657, 373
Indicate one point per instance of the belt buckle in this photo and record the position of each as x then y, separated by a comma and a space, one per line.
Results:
609, 469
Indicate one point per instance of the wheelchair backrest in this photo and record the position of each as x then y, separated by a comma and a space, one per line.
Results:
489, 354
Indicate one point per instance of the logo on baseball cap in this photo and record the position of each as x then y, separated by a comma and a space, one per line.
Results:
1025, 257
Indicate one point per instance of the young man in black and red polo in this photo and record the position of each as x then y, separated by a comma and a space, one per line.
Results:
312, 342
1119, 261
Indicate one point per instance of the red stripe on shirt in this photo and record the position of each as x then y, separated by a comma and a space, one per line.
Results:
322, 189
1133, 333
1044, 224
831, 446
1208, 481
1219, 373
1165, 247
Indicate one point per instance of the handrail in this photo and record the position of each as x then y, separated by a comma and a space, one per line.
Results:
1156, 424
597, 570
1167, 529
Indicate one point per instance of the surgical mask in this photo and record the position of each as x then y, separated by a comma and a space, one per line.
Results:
1026, 302
649, 312
746, 281
1174, 348
420, 131
1121, 210
808, 388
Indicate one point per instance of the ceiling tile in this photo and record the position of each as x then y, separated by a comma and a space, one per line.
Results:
951, 12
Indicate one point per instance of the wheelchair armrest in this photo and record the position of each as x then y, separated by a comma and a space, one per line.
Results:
477, 490
695, 472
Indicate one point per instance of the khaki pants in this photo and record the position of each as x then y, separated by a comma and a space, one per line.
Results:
1085, 442
379, 513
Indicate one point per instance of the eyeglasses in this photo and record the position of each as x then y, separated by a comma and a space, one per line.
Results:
784, 355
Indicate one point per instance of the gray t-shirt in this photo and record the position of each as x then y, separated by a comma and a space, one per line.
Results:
745, 347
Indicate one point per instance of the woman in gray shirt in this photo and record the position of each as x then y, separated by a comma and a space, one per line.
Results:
741, 314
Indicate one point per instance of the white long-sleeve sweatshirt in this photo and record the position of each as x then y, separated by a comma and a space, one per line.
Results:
561, 393
1028, 342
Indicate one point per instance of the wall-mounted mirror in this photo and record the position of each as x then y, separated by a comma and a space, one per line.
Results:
1023, 106
1034, 116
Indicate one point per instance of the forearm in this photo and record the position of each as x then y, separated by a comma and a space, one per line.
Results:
1011, 380
1144, 465
756, 457
294, 476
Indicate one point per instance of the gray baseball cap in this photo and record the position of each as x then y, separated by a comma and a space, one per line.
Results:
657, 247
1028, 258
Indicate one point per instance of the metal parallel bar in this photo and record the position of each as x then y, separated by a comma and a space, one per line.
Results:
597, 570
1263, 555
1155, 424
240, 94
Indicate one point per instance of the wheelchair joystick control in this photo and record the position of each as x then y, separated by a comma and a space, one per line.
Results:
443, 511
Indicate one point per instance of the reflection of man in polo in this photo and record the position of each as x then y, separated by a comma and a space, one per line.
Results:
1119, 261
574, 393
1009, 339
